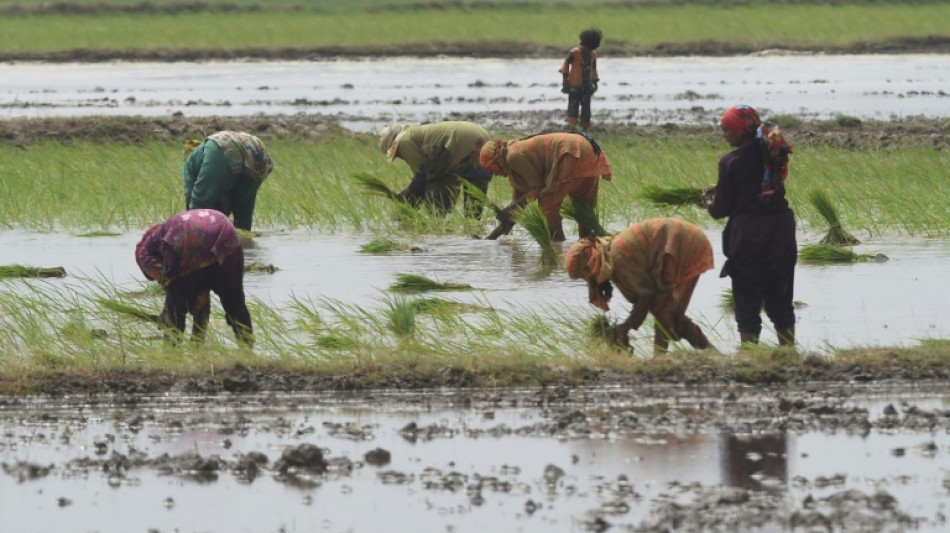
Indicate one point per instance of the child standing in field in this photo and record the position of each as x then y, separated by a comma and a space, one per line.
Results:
580, 78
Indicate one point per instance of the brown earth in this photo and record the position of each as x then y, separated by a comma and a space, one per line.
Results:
845, 132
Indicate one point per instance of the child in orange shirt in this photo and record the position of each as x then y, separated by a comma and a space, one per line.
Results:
580, 77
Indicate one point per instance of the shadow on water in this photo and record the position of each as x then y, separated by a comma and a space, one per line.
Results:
643, 460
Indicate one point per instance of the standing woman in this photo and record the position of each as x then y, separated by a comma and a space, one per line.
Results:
191, 254
759, 238
224, 172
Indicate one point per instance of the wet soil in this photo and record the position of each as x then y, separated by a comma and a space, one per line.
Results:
843, 133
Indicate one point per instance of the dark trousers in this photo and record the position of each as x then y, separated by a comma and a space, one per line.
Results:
578, 107
442, 193
768, 284
190, 294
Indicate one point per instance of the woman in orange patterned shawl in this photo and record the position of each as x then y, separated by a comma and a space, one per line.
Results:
655, 265
548, 168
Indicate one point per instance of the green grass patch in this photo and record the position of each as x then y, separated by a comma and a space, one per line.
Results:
626, 29
826, 253
672, 196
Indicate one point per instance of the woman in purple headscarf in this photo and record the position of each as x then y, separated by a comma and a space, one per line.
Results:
191, 254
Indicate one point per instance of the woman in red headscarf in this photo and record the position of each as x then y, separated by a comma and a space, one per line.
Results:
655, 264
759, 237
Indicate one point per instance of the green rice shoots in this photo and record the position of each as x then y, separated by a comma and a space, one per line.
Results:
584, 214
673, 196
23, 271
826, 253
130, 310
415, 283
533, 220
480, 197
836, 236
384, 246
375, 185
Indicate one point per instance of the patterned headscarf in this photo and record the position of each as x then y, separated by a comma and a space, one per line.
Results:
491, 156
190, 146
387, 138
589, 259
776, 149
741, 118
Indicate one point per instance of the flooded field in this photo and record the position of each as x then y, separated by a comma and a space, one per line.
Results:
367, 95
894, 303
845, 458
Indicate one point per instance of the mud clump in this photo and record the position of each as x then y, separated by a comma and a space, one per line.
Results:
305, 458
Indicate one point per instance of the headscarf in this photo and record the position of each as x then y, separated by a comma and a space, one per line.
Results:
492, 155
589, 259
741, 118
190, 146
776, 148
387, 138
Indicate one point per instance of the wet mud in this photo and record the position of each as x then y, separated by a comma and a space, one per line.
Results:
604, 459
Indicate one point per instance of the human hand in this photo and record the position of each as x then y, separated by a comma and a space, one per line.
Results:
706, 196
621, 336
505, 216
565, 88
502, 229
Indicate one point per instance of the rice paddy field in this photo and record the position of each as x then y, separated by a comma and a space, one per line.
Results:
408, 373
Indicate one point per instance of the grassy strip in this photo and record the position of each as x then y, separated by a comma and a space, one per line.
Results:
556, 27
98, 186
55, 339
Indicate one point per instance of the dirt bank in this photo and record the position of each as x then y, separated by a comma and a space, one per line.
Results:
842, 133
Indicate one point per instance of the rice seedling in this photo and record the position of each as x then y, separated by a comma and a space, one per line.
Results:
385, 246
257, 267
532, 219
24, 271
440, 306
727, 300
826, 253
415, 283
402, 317
673, 196
836, 235
600, 327
374, 185
93, 234
584, 214
479, 196
131, 310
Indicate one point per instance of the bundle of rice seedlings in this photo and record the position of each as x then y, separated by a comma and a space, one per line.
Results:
439, 306
402, 318
23, 271
131, 310
383, 246
482, 198
727, 300
826, 253
533, 220
335, 342
584, 214
601, 328
836, 236
374, 185
99, 234
256, 267
415, 283
673, 196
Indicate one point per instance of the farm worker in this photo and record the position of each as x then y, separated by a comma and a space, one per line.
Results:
655, 265
191, 254
580, 78
224, 172
759, 238
548, 167
440, 156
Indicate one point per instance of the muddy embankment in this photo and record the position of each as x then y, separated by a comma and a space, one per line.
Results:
844, 133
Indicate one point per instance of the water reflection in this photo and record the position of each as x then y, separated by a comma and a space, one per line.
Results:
754, 462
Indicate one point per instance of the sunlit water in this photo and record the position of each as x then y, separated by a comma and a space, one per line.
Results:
895, 303
368, 94
790, 464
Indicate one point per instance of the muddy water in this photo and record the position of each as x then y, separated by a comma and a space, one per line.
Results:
364, 95
898, 302
582, 460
